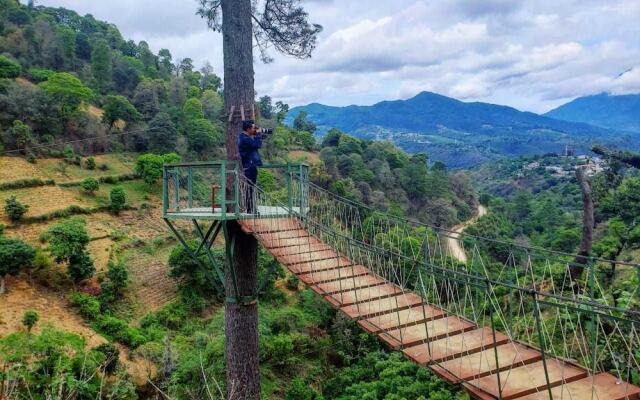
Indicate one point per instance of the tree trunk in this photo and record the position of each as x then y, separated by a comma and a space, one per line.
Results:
241, 320
2, 287
581, 260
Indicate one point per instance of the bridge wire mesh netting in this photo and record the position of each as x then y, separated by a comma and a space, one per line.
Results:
523, 300
487, 313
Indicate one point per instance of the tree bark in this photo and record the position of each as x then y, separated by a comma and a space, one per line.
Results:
241, 320
581, 260
2, 284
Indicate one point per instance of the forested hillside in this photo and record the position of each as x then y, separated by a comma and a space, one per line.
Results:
100, 301
461, 134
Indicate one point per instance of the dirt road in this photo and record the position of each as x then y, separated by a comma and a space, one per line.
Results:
455, 247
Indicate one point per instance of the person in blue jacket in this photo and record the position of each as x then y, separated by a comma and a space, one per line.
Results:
249, 142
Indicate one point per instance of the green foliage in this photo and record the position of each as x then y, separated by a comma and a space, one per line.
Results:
9, 68
101, 64
299, 390
21, 134
68, 91
68, 238
203, 136
29, 319
120, 331
163, 134
198, 280
192, 110
90, 163
302, 123
14, 209
111, 355
39, 75
26, 183
212, 105
14, 255
119, 108
118, 199
118, 279
51, 364
80, 267
149, 166
90, 185
88, 306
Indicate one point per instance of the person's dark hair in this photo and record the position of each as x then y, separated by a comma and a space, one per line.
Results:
247, 124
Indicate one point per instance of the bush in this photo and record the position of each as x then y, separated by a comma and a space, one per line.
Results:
9, 68
80, 267
90, 185
292, 282
29, 319
67, 238
149, 166
14, 255
104, 167
90, 163
14, 209
118, 199
26, 183
120, 331
88, 306
111, 355
38, 75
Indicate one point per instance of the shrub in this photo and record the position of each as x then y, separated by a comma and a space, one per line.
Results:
14, 254
88, 306
14, 209
104, 167
149, 166
111, 355
292, 282
67, 238
29, 319
9, 68
38, 75
90, 185
120, 330
118, 199
90, 163
26, 183
80, 267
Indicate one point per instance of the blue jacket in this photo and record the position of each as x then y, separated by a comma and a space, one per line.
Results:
248, 149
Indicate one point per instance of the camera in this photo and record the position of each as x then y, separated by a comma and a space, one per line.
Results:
264, 131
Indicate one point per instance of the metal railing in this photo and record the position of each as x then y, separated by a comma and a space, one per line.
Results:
216, 190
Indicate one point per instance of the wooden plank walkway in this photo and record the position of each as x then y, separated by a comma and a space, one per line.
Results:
452, 347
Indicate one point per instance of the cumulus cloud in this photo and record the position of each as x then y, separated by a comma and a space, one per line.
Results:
525, 53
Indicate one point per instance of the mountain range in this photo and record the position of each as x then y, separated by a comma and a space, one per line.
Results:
615, 112
465, 134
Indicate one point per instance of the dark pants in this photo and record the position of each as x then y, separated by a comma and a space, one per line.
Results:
252, 176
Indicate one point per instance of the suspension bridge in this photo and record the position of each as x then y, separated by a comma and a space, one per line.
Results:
505, 322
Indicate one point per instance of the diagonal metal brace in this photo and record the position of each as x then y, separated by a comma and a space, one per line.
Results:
219, 285
207, 249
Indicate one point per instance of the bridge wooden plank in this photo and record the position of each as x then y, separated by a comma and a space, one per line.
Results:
350, 297
382, 306
270, 225
525, 380
312, 256
450, 347
484, 363
598, 387
334, 287
410, 316
279, 239
312, 245
314, 267
422, 333
333, 274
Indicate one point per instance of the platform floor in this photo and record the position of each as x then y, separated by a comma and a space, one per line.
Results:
216, 214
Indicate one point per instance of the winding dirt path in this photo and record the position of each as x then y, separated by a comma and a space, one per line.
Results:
455, 247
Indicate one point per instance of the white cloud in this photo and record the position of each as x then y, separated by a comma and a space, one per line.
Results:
525, 53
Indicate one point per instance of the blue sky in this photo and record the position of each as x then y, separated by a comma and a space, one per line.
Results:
532, 55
